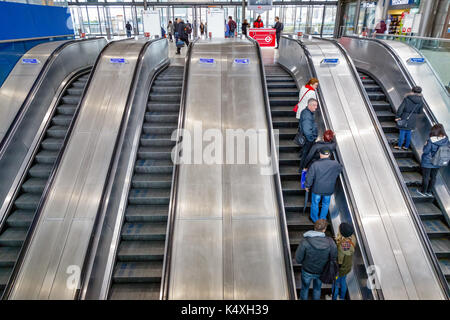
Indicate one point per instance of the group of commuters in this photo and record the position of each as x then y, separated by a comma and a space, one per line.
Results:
258, 23
181, 31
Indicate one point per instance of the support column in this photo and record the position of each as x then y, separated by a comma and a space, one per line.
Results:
145, 4
426, 23
356, 19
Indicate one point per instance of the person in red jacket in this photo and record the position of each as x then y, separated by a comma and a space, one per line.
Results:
258, 23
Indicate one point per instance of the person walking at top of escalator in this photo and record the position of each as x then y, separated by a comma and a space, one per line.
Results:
258, 23
232, 26
321, 181
381, 27
170, 30
175, 30
328, 141
313, 253
129, 28
278, 27
346, 243
182, 35
308, 91
410, 107
202, 29
308, 127
430, 161
245, 25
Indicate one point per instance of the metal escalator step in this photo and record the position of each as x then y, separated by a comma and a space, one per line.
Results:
34, 185
147, 213
62, 120
371, 86
156, 140
412, 178
279, 122
149, 196
367, 81
5, 272
142, 231
282, 111
385, 115
167, 89
57, 131
294, 203
286, 133
75, 91
158, 117
427, 210
67, 109
288, 84
298, 220
159, 128
283, 101
291, 171
47, 156
436, 228
21, 218
40, 170
291, 187
164, 97
52, 144
27, 201
392, 137
151, 180
441, 247
173, 107
167, 82
71, 99
141, 250
153, 166
284, 92
278, 78
401, 153
445, 267
79, 83
135, 291
8, 256
138, 272
380, 105
408, 164
289, 158
376, 95
389, 126
288, 145
155, 153
418, 197
13, 237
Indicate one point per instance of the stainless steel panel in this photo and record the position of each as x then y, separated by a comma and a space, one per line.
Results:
244, 257
78, 186
392, 238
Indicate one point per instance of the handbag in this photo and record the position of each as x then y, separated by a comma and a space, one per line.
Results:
299, 138
180, 44
296, 106
403, 123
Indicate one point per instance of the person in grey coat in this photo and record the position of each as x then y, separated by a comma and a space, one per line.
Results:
410, 107
170, 30
313, 253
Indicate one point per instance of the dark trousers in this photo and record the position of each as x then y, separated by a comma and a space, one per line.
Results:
185, 40
278, 35
305, 151
428, 179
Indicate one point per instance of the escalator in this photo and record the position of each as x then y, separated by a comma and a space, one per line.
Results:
22, 212
283, 96
140, 255
431, 216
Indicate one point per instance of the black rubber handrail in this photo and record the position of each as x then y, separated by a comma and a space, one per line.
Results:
113, 163
32, 93
25, 246
165, 279
278, 189
353, 209
398, 175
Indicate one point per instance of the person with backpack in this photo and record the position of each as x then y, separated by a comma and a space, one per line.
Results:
188, 28
410, 107
232, 26
436, 154
321, 180
182, 36
308, 91
258, 23
313, 253
129, 28
278, 27
328, 141
346, 243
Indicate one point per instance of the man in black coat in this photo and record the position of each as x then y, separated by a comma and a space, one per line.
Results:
321, 180
182, 34
410, 107
278, 27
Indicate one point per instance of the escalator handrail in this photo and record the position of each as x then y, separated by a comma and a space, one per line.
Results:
398, 175
14, 126
45, 193
353, 209
427, 110
165, 278
278, 190
112, 168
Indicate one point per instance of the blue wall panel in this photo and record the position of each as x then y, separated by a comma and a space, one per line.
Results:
18, 21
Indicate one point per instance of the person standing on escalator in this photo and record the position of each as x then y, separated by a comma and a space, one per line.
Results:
410, 107
307, 125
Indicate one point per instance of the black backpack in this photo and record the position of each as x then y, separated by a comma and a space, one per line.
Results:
331, 269
233, 26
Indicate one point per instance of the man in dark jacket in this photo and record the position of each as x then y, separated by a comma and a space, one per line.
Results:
313, 253
321, 180
232, 26
308, 126
182, 34
410, 107
175, 30
129, 28
278, 27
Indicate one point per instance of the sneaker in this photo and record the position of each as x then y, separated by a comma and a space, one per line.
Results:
404, 148
420, 192
328, 297
397, 147
429, 194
